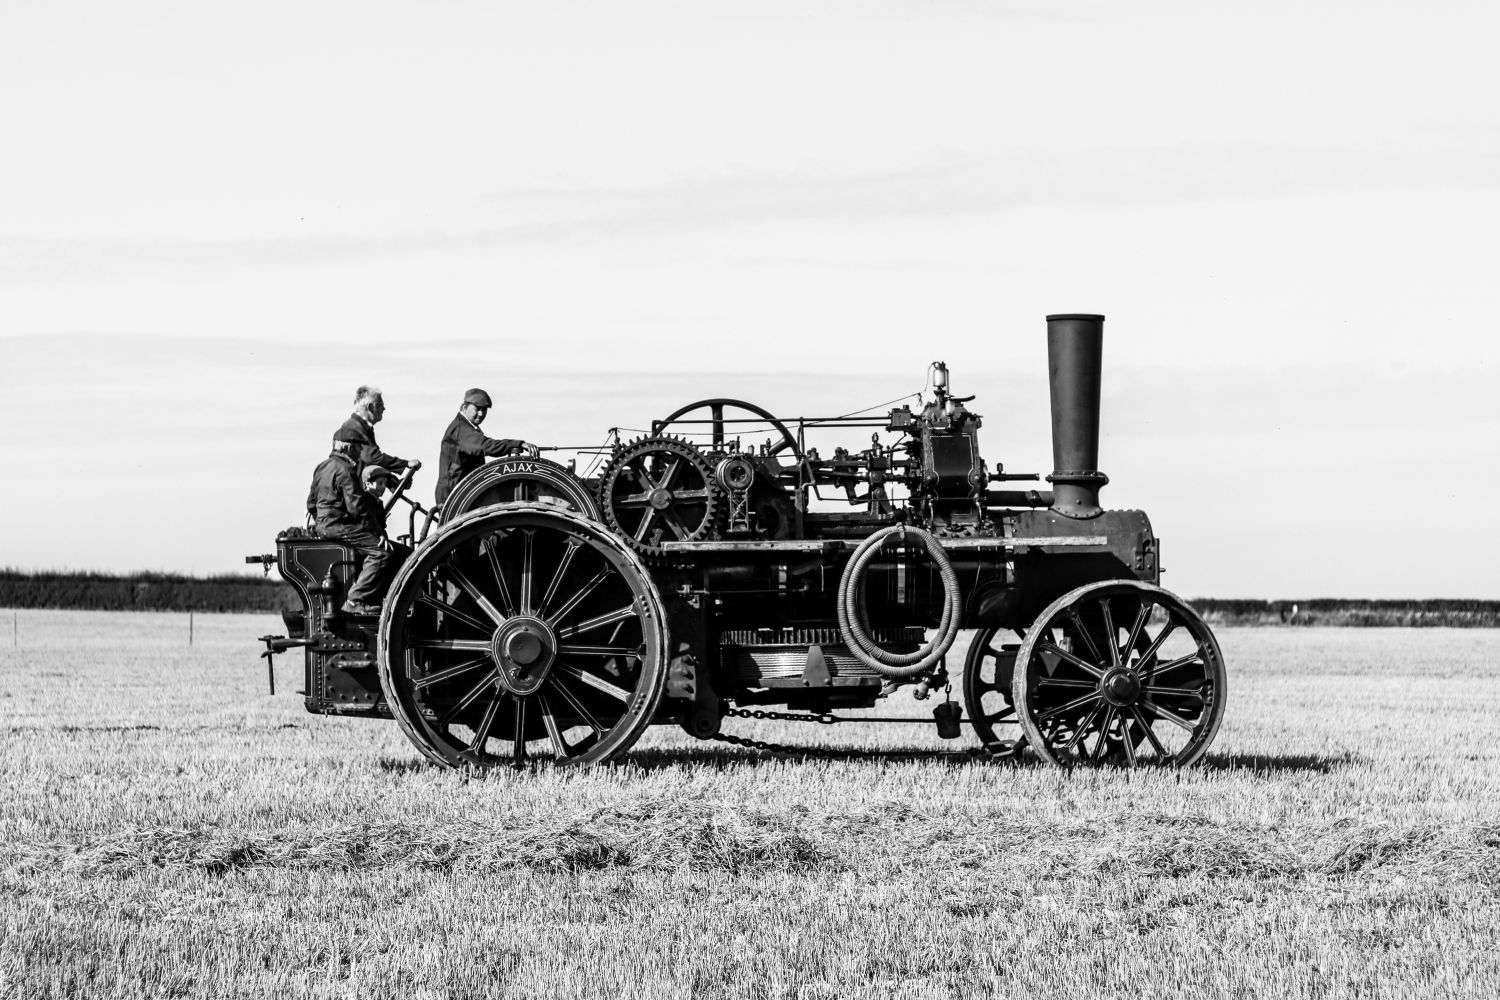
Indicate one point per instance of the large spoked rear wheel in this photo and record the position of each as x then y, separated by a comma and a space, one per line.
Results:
1119, 672
523, 632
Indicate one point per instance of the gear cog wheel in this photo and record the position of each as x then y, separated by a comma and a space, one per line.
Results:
657, 490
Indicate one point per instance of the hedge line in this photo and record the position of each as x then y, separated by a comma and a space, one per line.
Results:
242, 592
144, 592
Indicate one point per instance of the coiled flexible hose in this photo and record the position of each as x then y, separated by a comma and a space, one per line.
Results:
854, 624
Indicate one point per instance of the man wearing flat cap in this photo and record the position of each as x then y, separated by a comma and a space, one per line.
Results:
339, 507
369, 408
465, 447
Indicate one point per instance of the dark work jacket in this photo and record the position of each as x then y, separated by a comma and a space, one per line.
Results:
336, 500
464, 450
356, 429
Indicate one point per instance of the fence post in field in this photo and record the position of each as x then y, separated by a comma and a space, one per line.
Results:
190, 627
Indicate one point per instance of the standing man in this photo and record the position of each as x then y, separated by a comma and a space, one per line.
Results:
369, 408
340, 508
465, 448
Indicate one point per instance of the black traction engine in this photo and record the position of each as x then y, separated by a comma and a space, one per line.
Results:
542, 615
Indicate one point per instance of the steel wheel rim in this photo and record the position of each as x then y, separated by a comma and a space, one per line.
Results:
449, 652
1157, 700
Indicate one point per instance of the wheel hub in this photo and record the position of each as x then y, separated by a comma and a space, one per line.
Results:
524, 649
661, 499
1121, 687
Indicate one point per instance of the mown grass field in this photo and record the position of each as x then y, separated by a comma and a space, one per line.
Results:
166, 829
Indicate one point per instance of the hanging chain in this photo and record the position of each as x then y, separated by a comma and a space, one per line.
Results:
822, 718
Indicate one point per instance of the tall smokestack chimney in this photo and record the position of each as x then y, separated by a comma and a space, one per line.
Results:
1075, 347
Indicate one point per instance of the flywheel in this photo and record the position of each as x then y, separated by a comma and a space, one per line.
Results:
657, 490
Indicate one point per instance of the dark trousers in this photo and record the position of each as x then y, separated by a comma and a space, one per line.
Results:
373, 562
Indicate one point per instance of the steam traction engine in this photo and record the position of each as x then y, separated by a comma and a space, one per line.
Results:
547, 616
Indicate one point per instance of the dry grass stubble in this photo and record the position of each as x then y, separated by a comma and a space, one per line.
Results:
170, 830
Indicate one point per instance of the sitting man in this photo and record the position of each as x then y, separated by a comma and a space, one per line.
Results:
341, 509
464, 447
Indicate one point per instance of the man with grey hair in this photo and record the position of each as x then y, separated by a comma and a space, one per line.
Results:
369, 408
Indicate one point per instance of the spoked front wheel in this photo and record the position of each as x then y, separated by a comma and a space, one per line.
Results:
1119, 672
520, 632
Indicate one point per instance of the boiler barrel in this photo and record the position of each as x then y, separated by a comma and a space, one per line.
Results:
1075, 349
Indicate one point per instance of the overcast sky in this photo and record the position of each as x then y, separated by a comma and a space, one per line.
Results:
217, 219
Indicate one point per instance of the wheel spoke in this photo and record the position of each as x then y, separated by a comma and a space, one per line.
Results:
1109, 718
577, 706
636, 500
467, 586
1075, 703
690, 494
593, 681
1112, 632
1185, 692
421, 683
678, 528
493, 553
1139, 624
583, 592
598, 621
482, 733
598, 651
450, 611
528, 562
1054, 682
462, 645
1126, 740
1150, 735
557, 577
1170, 716
518, 742
1083, 727
641, 476
553, 732
1086, 667
1181, 661
1161, 637
490, 679
716, 413
1083, 633
640, 529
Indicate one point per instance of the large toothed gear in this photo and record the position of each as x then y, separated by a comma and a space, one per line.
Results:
657, 490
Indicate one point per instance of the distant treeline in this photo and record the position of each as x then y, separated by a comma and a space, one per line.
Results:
144, 592
1446, 612
242, 592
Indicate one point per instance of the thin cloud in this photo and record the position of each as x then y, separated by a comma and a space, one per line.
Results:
1023, 178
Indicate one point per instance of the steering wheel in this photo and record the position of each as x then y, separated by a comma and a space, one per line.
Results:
716, 420
402, 485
